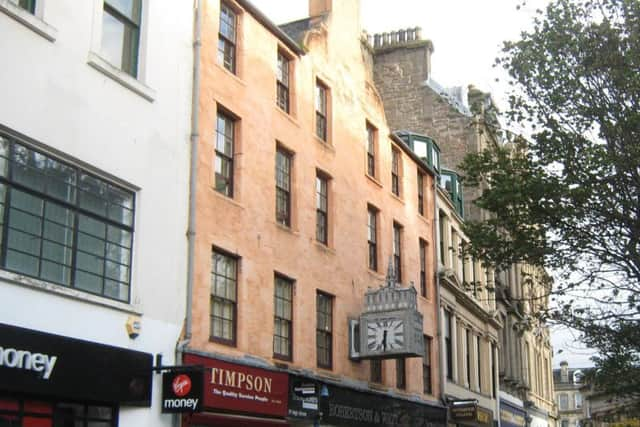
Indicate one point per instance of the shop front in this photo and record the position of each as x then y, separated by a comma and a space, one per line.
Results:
50, 380
469, 413
239, 395
313, 402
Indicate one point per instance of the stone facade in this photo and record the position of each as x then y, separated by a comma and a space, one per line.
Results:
464, 121
468, 305
568, 395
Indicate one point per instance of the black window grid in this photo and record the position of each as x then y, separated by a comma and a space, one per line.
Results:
283, 187
227, 37
225, 147
73, 205
324, 330
322, 212
283, 318
282, 84
372, 238
224, 300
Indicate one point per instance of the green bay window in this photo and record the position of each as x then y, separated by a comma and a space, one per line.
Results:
62, 224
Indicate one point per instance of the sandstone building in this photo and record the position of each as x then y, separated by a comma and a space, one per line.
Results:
303, 200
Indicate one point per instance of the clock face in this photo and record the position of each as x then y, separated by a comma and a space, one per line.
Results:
385, 334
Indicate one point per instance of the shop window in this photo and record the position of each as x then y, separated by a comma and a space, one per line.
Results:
16, 412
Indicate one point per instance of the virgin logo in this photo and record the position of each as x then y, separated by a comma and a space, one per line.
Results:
181, 385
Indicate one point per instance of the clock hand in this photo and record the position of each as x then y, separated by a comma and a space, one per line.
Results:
384, 340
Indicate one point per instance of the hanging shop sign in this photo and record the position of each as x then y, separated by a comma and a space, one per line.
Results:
35, 362
341, 406
239, 388
511, 415
182, 391
471, 414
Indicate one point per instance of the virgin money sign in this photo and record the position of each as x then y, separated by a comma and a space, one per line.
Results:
182, 391
239, 388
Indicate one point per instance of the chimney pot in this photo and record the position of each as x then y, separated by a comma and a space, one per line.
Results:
418, 32
402, 36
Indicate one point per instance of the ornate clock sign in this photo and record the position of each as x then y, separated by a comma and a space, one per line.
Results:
390, 326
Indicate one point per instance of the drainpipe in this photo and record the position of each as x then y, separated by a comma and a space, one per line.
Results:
193, 174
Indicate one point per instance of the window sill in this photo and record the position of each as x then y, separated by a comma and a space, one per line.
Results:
286, 228
230, 74
373, 179
29, 20
66, 292
325, 248
324, 144
102, 65
226, 198
289, 116
398, 198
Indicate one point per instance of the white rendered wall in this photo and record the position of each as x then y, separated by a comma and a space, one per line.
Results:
50, 93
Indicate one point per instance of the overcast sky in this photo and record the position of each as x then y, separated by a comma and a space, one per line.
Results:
467, 36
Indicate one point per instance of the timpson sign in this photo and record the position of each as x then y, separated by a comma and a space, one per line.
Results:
235, 387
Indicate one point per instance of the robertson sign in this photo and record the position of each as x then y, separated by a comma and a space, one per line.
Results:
182, 391
240, 388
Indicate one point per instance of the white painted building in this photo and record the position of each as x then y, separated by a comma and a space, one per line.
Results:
95, 108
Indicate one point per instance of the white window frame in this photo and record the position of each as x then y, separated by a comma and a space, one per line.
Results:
136, 84
33, 21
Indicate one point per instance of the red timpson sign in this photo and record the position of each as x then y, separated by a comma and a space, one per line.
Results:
242, 388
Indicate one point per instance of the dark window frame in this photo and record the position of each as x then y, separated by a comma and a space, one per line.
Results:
397, 250
283, 79
130, 50
322, 208
225, 184
324, 330
287, 323
423, 266
372, 133
322, 110
283, 173
372, 237
28, 5
227, 47
447, 345
401, 373
427, 380
375, 371
420, 193
19, 181
479, 367
395, 172
224, 299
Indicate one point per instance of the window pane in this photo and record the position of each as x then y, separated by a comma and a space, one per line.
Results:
129, 8
112, 39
